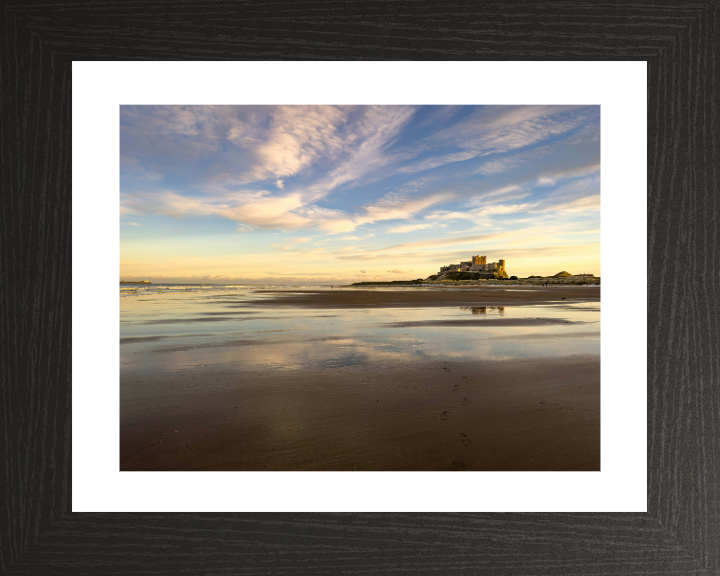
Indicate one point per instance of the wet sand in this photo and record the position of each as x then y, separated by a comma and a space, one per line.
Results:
528, 415
412, 297
213, 408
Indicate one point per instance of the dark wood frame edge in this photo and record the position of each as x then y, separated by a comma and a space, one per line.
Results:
679, 534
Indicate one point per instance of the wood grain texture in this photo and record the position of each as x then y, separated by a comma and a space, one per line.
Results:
681, 531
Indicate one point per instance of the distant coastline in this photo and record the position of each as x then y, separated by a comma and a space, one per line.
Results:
531, 281
135, 282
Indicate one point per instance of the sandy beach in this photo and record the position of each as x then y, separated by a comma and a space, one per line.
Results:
409, 297
467, 379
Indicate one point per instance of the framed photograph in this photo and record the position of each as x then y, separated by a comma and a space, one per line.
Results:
288, 265
359, 325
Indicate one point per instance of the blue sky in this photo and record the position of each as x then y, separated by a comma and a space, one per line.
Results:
330, 194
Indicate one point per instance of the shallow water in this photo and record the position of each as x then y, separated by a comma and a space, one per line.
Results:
170, 328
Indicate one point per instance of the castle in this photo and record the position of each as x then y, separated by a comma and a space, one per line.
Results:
477, 264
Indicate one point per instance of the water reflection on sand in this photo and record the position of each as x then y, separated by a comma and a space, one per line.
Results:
180, 329
487, 310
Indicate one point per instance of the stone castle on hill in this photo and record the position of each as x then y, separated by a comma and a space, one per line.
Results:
477, 264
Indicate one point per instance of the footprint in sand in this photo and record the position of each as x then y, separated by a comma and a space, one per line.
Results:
463, 401
459, 465
456, 387
445, 415
465, 441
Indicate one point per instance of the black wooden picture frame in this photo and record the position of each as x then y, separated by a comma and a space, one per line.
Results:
680, 533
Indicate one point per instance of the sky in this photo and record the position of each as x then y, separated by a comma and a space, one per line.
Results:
341, 194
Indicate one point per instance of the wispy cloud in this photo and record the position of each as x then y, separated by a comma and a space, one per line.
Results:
498, 129
391, 207
295, 136
408, 228
551, 177
354, 238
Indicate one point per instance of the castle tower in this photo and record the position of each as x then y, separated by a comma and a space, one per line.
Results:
484, 260
502, 265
